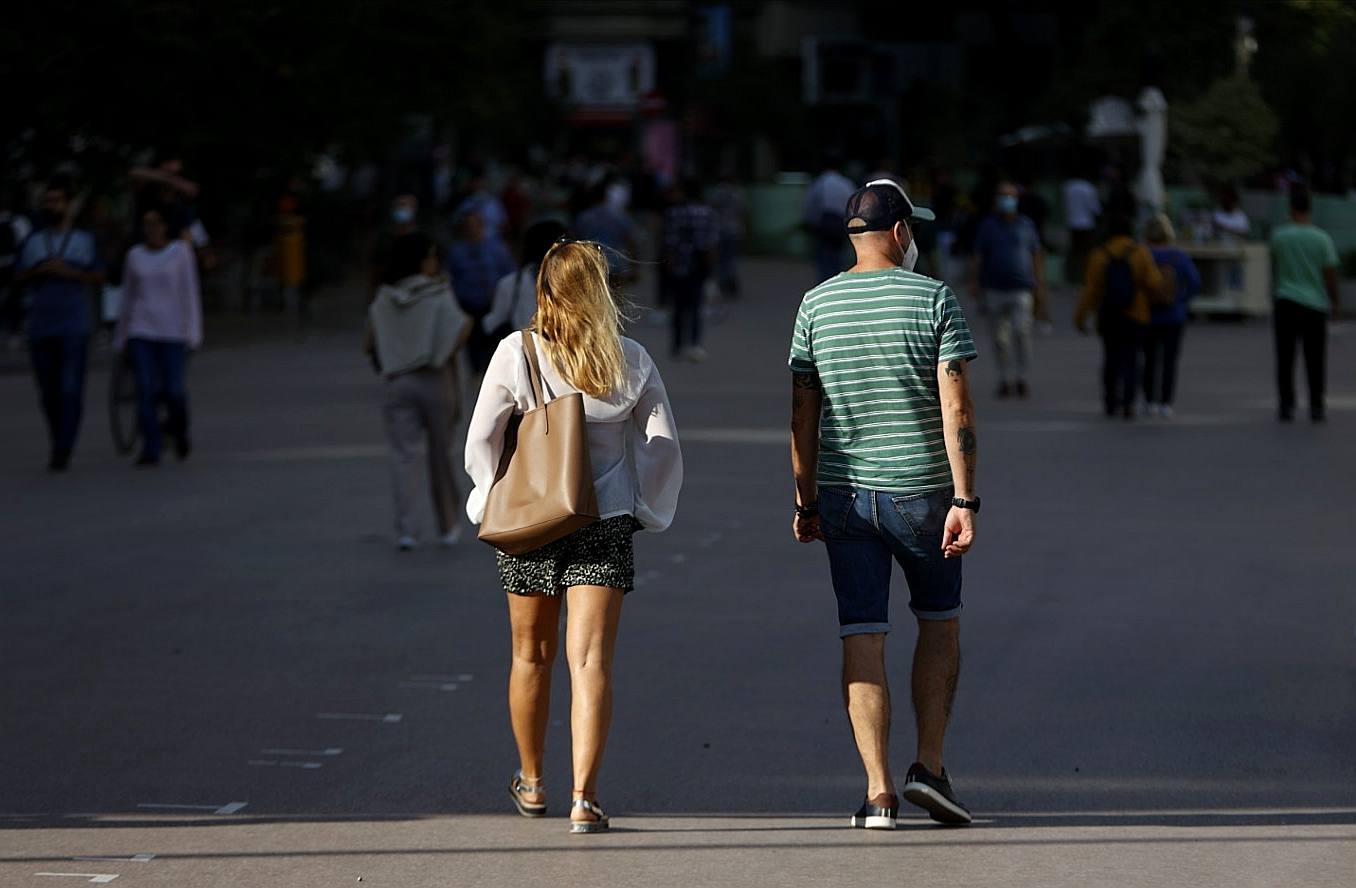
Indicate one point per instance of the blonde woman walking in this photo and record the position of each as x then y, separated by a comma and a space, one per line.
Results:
637, 473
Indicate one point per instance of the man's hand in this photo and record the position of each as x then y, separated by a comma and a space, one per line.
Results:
59, 268
806, 528
959, 532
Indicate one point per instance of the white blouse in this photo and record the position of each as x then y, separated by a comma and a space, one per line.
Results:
633, 444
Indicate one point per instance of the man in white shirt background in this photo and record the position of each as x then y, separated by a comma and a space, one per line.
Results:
1082, 206
824, 202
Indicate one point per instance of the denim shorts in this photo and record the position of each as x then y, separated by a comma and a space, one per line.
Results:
864, 530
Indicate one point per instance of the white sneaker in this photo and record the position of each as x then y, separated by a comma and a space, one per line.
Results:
406, 543
451, 538
1165, 411
1148, 408
696, 354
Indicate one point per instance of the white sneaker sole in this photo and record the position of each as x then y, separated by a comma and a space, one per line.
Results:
873, 822
938, 806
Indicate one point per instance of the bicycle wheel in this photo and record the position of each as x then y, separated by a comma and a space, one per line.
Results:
122, 405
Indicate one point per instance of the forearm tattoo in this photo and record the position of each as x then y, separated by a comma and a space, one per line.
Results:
969, 446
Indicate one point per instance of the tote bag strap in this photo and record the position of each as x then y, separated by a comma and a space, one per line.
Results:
533, 368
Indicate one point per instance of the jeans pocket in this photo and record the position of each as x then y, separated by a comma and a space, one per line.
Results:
924, 513
835, 507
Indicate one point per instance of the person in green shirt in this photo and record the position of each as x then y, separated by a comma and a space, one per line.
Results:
1304, 262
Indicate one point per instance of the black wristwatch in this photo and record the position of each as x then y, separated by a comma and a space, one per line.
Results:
972, 505
808, 511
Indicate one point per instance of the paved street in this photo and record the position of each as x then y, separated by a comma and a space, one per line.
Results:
225, 663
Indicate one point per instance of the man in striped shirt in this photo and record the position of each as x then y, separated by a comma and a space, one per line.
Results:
883, 450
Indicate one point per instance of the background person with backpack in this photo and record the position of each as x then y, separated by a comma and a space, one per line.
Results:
1167, 316
1120, 284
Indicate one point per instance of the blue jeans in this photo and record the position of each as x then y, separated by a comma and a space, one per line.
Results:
864, 531
159, 369
59, 365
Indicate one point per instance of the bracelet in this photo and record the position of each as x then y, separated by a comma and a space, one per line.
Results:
808, 511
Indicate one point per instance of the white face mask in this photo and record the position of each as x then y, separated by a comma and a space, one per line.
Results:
910, 255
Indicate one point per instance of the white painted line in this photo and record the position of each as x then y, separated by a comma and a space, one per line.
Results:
228, 808
97, 878
135, 858
389, 718
333, 750
461, 676
430, 685
274, 763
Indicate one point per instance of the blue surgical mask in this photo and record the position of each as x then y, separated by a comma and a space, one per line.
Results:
1007, 203
402, 215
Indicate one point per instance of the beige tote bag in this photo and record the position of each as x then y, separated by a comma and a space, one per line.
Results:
543, 490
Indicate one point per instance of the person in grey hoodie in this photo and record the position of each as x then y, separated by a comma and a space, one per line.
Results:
414, 331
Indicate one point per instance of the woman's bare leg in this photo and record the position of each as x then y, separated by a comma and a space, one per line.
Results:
534, 624
592, 615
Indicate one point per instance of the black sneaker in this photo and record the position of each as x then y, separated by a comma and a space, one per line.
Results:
877, 813
1022, 391
934, 795
1004, 391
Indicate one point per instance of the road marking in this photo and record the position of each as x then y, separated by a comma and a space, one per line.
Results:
389, 718
274, 763
333, 750
462, 676
135, 858
97, 878
430, 685
228, 808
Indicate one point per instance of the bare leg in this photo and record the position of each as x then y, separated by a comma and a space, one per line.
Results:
936, 667
591, 619
534, 623
866, 695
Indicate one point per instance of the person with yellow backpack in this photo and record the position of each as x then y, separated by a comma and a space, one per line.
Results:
1120, 284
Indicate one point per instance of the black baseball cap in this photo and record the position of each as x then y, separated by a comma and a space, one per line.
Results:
881, 203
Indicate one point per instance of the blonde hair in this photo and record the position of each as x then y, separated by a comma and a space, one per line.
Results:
578, 319
1158, 230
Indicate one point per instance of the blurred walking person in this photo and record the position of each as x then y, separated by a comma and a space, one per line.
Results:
57, 266
159, 321
606, 223
691, 236
476, 262
1306, 295
415, 330
883, 452
637, 472
515, 296
732, 210
1007, 272
1119, 284
1167, 316
1082, 207
823, 217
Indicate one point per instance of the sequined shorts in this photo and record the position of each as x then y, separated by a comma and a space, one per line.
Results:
601, 554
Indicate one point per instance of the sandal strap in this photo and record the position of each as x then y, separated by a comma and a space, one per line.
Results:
590, 806
521, 784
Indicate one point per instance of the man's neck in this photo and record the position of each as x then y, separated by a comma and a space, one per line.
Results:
874, 262
1301, 219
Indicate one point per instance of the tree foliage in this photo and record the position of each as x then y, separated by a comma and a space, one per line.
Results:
1227, 134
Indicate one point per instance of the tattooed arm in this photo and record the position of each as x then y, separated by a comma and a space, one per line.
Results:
806, 400
962, 449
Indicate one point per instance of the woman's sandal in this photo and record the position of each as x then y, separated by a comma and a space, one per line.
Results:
579, 827
520, 786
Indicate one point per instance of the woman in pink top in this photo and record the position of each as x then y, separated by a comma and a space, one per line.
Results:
159, 321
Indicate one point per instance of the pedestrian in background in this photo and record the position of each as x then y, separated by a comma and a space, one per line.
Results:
823, 217
1007, 271
403, 220
57, 266
637, 473
1119, 285
415, 330
159, 321
883, 452
691, 236
606, 222
476, 262
1167, 316
1306, 295
1082, 207
732, 209
515, 296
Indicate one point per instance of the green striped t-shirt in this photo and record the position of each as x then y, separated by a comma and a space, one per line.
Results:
875, 338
